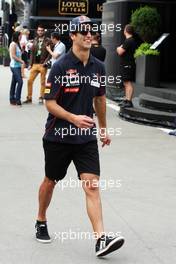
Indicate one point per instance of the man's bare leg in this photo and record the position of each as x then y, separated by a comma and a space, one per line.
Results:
45, 195
93, 202
129, 90
105, 244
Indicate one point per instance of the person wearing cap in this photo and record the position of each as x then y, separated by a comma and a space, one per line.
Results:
70, 134
59, 47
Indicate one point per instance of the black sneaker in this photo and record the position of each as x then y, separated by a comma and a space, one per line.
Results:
42, 232
121, 103
28, 101
13, 102
19, 103
127, 104
108, 244
173, 132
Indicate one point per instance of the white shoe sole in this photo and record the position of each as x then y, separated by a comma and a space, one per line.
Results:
113, 245
44, 241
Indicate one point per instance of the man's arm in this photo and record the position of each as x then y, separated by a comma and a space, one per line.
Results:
123, 48
100, 109
55, 55
45, 52
80, 121
33, 49
120, 50
47, 59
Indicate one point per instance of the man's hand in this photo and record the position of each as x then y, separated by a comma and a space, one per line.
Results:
48, 48
80, 121
83, 121
120, 50
44, 65
104, 138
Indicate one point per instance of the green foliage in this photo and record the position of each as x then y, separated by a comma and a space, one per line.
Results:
144, 49
146, 22
4, 52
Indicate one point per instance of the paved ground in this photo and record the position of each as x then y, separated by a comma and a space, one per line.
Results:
143, 208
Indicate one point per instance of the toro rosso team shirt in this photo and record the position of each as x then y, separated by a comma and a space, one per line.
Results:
73, 86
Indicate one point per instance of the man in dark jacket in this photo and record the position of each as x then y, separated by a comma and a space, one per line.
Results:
38, 60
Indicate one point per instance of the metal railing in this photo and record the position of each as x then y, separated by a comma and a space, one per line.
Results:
5, 41
5, 59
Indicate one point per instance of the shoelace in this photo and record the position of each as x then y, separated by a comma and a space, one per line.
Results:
102, 243
42, 229
104, 240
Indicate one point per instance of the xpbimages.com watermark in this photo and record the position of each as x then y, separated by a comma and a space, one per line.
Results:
75, 131
81, 235
103, 184
94, 80
101, 28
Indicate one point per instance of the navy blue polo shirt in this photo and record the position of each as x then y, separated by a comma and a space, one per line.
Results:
73, 86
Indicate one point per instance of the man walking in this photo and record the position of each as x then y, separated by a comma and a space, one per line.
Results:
38, 60
59, 47
70, 131
127, 65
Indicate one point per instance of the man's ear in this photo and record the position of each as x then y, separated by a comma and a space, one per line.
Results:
72, 36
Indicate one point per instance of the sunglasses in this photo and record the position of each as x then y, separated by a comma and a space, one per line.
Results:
85, 32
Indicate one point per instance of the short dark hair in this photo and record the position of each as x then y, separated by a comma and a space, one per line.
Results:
55, 35
40, 26
96, 37
129, 29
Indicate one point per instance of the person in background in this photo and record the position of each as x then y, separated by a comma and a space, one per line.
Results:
24, 46
59, 47
127, 65
97, 50
16, 64
17, 27
38, 63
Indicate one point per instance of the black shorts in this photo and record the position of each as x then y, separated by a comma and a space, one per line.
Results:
128, 72
58, 157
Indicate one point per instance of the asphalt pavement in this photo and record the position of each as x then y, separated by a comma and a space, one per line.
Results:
138, 191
